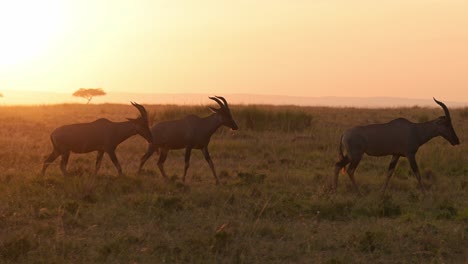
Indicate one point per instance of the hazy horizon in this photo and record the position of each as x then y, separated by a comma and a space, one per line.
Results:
49, 98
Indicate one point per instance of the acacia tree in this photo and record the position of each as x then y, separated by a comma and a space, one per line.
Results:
89, 93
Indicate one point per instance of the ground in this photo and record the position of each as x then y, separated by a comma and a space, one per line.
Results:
274, 204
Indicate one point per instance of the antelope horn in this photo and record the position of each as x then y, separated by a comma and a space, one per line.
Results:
218, 101
142, 110
447, 113
224, 101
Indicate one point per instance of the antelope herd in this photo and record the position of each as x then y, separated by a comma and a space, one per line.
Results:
399, 138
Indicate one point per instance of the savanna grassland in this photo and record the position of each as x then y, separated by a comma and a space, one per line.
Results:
274, 205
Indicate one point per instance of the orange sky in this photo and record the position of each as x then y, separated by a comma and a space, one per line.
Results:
403, 48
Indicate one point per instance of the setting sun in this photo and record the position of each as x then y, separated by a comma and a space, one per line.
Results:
27, 29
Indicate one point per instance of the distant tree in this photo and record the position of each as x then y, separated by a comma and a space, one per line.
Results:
89, 93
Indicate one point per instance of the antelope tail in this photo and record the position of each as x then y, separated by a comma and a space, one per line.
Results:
340, 154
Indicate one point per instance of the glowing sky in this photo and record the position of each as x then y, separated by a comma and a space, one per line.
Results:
403, 48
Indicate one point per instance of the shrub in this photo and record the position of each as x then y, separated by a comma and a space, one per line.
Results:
388, 207
169, 203
258, 119
255, 118
248, 178
464, 113
447, 210
15, 247
370, 241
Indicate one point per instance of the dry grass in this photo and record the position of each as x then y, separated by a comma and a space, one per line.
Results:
274, 205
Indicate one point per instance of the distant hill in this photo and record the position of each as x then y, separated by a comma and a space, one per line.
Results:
39, 98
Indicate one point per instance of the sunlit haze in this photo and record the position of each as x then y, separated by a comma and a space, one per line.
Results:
314, 48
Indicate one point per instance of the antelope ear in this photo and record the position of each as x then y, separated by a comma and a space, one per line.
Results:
214, 110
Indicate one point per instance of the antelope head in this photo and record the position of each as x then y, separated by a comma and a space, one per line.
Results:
141, 123
224, 112
444, 126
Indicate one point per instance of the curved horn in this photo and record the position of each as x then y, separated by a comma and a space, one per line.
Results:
218, 101
142, 110
224, 101
447, 113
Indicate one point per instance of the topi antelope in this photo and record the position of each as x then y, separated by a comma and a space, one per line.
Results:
191, 132
398, 138
101, 135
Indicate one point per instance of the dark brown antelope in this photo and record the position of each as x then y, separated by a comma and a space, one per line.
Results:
101, 135
191, 132
399, 138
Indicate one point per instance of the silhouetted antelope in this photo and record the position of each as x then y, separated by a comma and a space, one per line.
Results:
101, 135
191, 132
398, 138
